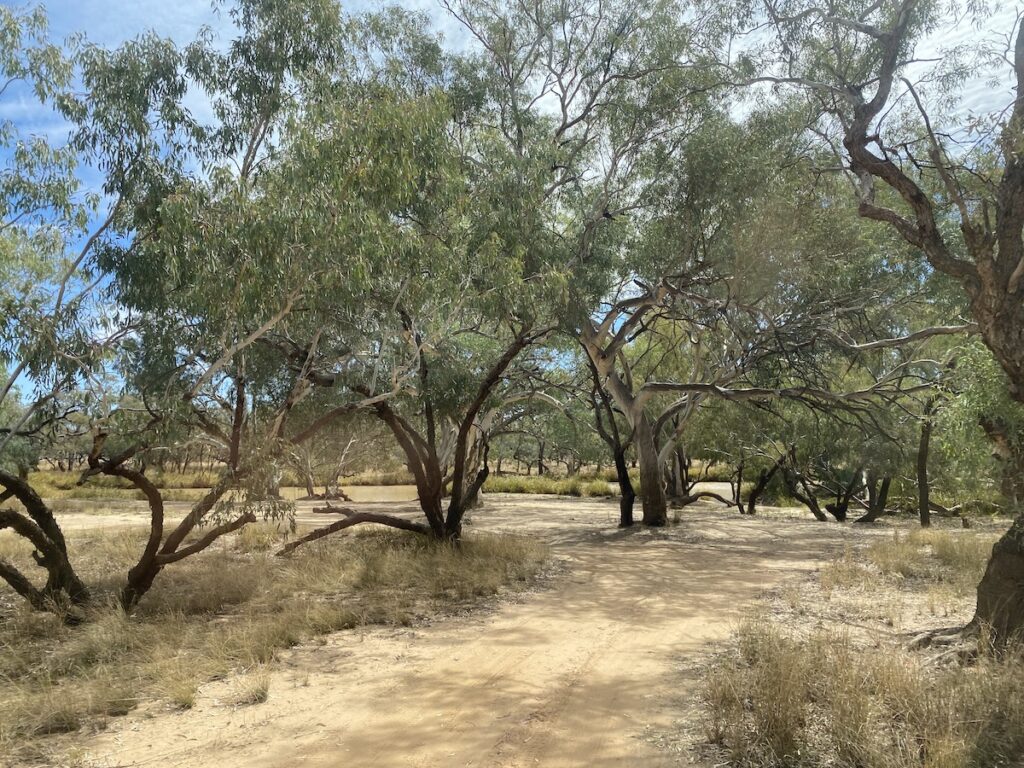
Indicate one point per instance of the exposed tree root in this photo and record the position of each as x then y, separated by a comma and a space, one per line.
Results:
959, 644
943, 637
683, 501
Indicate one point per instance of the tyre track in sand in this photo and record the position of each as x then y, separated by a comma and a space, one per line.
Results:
575, 675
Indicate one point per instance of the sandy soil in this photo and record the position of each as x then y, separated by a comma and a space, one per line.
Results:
583, 672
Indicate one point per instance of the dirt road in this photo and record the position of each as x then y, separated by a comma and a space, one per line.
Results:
577, 674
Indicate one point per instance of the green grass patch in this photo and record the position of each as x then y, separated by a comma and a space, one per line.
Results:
545, 484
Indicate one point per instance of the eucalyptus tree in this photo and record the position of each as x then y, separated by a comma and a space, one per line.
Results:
55, 235
532, 110
952, 188
550, 430
582, 101
350, 445
313, 190
770, 283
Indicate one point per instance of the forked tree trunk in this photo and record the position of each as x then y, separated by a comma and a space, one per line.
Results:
40, 528
467, 498
761, 486
844, 496
737, 490
799, 488
878, 496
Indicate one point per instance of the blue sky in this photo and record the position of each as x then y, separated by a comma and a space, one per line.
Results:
110, 22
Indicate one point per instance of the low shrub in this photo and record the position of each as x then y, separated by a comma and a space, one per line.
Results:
546, 484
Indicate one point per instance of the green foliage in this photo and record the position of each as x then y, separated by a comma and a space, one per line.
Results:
546, 484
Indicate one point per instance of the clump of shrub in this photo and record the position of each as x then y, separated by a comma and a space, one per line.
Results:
546, 484
395, 477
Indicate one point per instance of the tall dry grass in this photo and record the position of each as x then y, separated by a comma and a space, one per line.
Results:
953, 558
793, 692
824, 701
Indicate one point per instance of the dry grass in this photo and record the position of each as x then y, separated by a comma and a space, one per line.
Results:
954, 558
260, 537
221, 613
898, 556
824, 701
253, 688
943, 564
831, 684
845, 572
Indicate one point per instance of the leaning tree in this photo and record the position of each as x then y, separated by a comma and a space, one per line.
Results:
950, 185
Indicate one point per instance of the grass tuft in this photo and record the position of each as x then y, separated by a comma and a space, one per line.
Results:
253, 688
899, 556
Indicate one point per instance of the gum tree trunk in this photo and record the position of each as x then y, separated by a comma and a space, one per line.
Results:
40, 528
1001, 591
652, 488
878, 496
626, 493
923, 448
761, 486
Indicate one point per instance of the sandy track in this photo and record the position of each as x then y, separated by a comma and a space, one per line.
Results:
573, 675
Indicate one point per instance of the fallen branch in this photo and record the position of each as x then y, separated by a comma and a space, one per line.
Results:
335, 496
351, 519
682, 501
957, 510
329, 510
